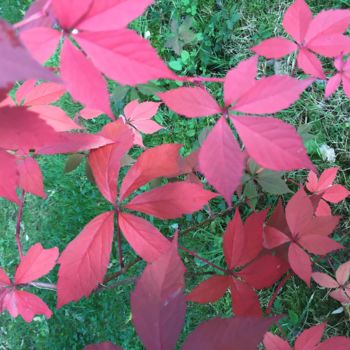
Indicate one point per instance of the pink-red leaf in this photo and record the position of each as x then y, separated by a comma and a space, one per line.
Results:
275, 48
310, 338
310, 64
8, 176
111, 15
143, 237
35, 264
124, 56
245, 301
221, 160
210, 290
16, 62
297, 19
339, 343
20, 302
105, 161
81, 78
318, 244
271, 94
240, 80
84, 262
158, 303
192, 102
42, 94
172, 200
324, 280
160, 161
343, 273
236, 333
272, 143
336, 194
300, 263
41, 42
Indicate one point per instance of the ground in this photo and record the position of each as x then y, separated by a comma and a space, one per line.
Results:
223, 33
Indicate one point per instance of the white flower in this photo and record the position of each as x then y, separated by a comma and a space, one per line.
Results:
327, 153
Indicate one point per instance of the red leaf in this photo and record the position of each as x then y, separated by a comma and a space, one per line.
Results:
240, 80
139, 115
331, 45
343, 273
69, 12
8, 176
274, 238
297, 19
243, 243
264, 271
172, 200
55, 117
81, 77
102, 346
273, 342
20, 302
105, 161
324, 182
339, 343
158, 303
192, 102
318, 244
111, 15
341, 295
324, 280
310, 338
221, 161
271, 95
16, 62
332, 85
245, 301
272, 143
160, 161
41, 42
210, 290
42, 94
30, 177
310, 64
236, 333
143, 237
124, 56
327, 23
275, 48
336, 194
84, 262
35, 264
300, 263
23, 91
74, 142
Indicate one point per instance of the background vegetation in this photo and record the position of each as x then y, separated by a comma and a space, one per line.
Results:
196, 38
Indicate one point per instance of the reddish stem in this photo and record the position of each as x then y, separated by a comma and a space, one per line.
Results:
275, 293
201, 79
120, 251
202, 259
18, 225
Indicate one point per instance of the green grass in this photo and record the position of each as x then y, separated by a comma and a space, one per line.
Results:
224, 32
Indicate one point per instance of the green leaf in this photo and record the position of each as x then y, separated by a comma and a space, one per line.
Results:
175, 65
250, 191
272, 182
72, 162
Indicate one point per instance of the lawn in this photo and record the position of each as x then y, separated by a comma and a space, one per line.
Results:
195, 37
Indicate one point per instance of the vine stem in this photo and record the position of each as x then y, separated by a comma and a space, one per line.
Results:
18, 224
202, 259
201, 79
277, 290
119, 241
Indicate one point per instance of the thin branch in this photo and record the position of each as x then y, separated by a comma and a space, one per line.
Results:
122, 271
120, 250
205, 222
202, 259
201, 79
123, 282
42, 285
275, 293
18, 224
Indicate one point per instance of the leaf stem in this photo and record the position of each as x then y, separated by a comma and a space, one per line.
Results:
201, 79
18, 224
275, 293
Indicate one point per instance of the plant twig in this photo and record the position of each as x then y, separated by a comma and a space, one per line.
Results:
125, 281
275, 293
120, 250
122, 271
201, 79
42, 285
18, 224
